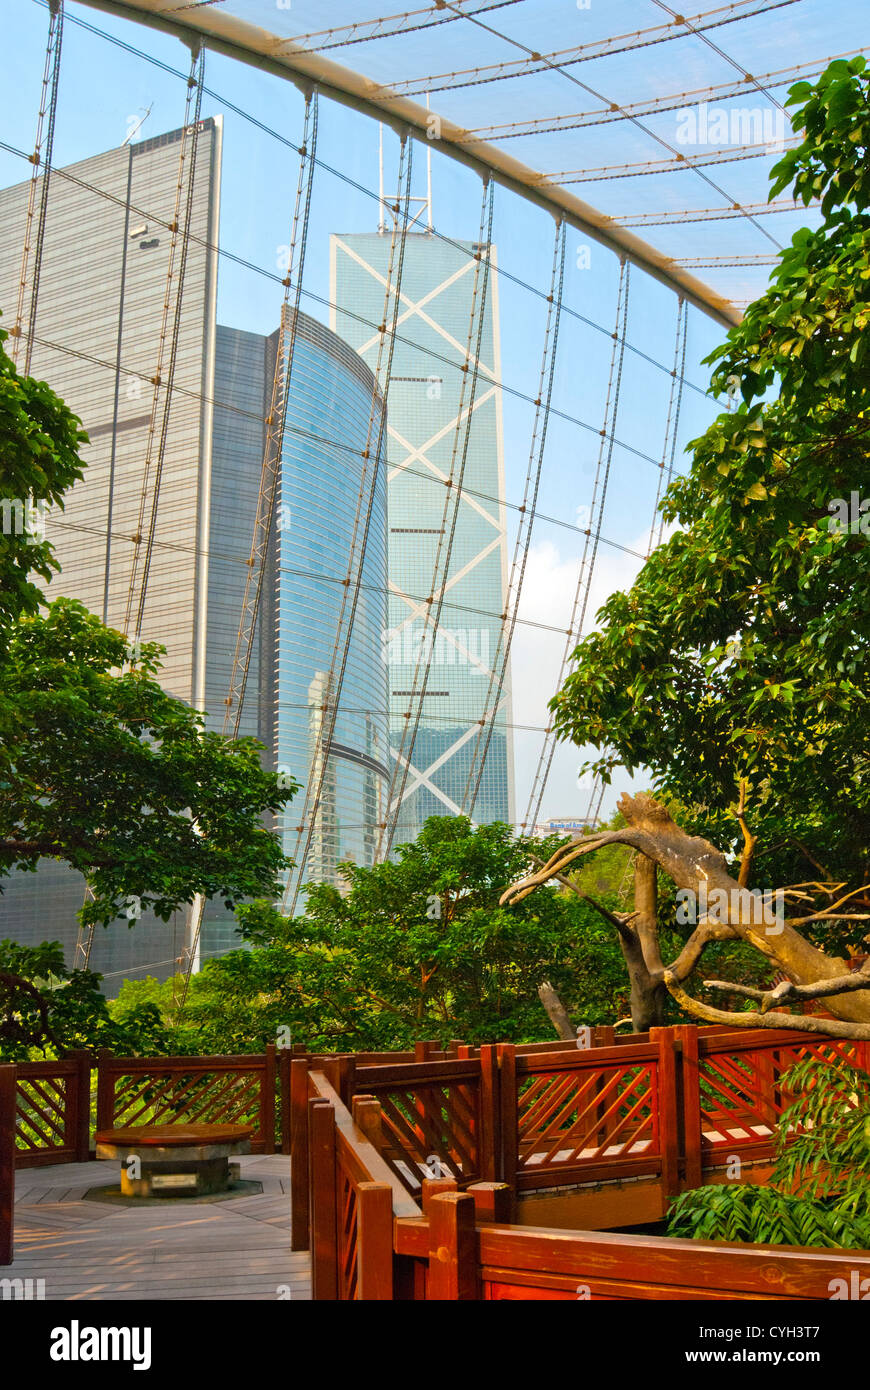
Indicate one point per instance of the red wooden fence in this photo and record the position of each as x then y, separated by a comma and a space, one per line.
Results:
677, 1100
53, 1111
496, 1121
371, 1240
238, 1089
455, 1257
606, 1113
7, 1162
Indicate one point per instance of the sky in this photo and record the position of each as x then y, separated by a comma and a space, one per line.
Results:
106, 90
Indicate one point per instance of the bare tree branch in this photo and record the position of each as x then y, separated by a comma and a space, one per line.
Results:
696, 866
787, 989
556, 1011
797, 1023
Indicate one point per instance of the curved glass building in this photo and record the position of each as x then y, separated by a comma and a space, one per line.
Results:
332, 488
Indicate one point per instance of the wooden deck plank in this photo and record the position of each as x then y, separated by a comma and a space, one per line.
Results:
237, 1249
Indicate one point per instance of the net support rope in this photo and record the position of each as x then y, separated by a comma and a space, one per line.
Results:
371, 471
276, 422
434, 603
672, 426
269, 476
170, 324
41, 160
528, 511
590, 546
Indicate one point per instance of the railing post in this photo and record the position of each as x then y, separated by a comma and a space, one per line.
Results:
366, 1111
691, 1105
341, 1074
453, 1273
489, 1138
508, 1128
667, 1109
324, 1230
105, 1090
492, 1202
267, 1099
435, 1187
299, 1208
7, 1162
80, 1120
374, 1218
286, 1110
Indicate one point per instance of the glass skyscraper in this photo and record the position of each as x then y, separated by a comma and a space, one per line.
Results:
103, 284
427, 419
332, 491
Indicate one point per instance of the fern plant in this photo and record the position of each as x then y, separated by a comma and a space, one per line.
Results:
819, 1193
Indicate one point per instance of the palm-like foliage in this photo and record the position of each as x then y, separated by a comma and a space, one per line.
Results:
820, 1188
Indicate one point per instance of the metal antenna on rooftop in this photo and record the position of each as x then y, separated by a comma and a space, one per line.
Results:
423, 204
137, 127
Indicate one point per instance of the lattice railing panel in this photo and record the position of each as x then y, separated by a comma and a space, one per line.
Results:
426, 1122
41, 1113
348, 1234
567, 1118
742, 1097
194, 1097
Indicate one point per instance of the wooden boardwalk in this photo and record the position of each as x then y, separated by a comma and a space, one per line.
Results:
235, 1249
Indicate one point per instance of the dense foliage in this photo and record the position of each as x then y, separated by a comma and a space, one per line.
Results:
78, 1015
741, 650
416, 948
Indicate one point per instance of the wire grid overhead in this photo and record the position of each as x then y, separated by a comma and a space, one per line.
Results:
663, 119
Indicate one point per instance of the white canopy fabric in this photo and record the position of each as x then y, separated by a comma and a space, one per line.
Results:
666, 123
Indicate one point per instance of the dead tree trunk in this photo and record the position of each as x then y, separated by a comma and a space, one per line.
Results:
556, 1011
692, 863
646, 973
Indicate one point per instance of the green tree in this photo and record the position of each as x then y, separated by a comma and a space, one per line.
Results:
734, 668
47, 1010
741, 650
39, 462
415, 948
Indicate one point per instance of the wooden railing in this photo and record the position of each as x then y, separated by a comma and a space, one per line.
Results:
605, 1114
52, 1123
371, 1241
675, 1103
733, 1097
367, 1138
238, 1089
454, 1256
674, 1111
353, 1198
53, 1099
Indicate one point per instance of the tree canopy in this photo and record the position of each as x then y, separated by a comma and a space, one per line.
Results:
734, 668
408, 949
741, 649
39, 461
